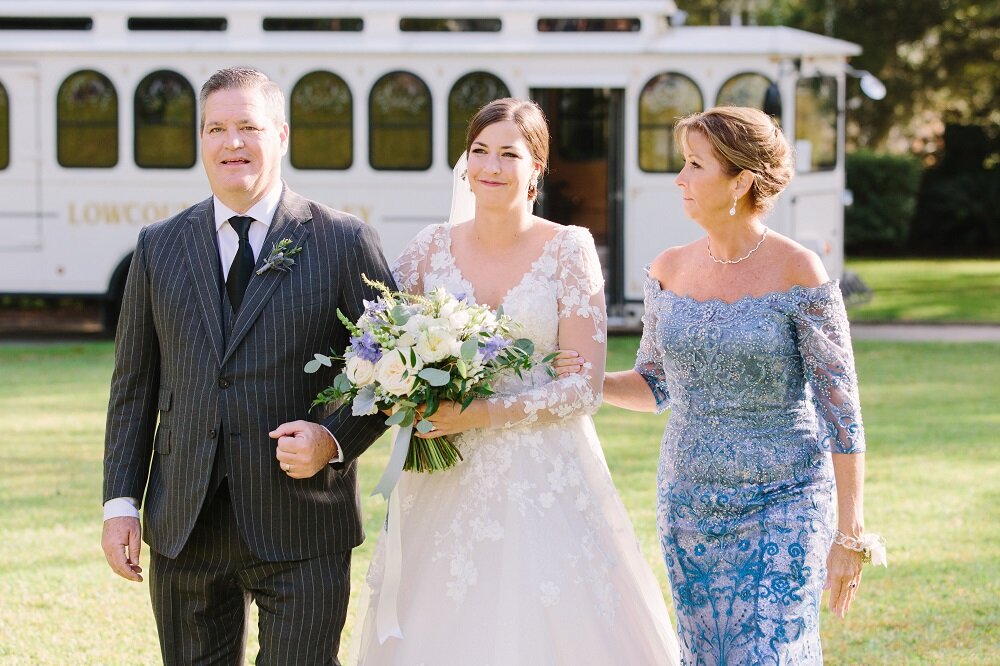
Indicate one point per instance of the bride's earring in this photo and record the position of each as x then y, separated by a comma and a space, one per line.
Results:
732, 211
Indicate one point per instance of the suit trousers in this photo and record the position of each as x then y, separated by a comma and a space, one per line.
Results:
201, 598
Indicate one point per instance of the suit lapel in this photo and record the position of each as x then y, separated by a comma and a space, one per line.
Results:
289, 222
203, 262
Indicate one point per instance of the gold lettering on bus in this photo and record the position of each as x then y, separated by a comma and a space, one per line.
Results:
136, 213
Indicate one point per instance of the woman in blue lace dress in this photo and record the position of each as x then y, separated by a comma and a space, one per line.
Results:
746, 340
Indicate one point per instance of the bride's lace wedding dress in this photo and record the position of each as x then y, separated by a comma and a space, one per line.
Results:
522, 554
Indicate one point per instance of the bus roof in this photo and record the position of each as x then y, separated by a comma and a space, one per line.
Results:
72, 26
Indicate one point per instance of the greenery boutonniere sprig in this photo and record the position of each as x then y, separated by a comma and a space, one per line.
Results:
280, 257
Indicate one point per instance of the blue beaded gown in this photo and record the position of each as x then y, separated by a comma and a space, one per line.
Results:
760, 392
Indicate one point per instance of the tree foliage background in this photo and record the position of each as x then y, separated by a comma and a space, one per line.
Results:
938, 59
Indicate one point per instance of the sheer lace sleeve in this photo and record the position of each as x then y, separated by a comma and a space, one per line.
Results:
649, 358
825, 346
582, 326
409, 267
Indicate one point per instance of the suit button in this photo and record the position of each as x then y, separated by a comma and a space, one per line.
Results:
223, 382
212, 434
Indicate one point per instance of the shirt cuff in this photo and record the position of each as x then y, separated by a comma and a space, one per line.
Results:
339, 458
121, 507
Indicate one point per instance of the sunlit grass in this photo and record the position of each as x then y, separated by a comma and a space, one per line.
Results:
929, 290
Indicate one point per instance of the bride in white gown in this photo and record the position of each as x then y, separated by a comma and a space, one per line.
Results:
523, 553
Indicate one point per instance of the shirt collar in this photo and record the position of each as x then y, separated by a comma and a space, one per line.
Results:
262, 211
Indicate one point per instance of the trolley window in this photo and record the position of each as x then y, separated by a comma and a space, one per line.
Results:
312, 24
87, 121
399, 123
628, 24
4, 128
816, 123
664, 99
750, 89
467, 96
450, 24
322, 117
165, 133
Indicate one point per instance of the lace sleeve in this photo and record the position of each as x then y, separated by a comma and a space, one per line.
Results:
409, 267
649, 358
825, 346
582, 326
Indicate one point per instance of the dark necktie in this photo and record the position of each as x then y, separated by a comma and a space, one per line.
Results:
241, 270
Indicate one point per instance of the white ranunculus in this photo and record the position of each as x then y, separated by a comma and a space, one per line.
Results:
359, 371
435, 344
395, 373
417, 323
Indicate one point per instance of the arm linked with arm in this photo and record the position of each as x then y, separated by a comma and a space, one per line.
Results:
582, 327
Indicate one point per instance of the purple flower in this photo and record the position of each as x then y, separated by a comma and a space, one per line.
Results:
366, 347
374, 307
493, 346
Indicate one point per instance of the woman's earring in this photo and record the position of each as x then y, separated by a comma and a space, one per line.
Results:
465, 173
732, 211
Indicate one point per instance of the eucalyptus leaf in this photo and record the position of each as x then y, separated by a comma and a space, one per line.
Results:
408, 417
342, 383
399, 314
525, 345
469, 349
424, 426
434, 376
396, 417
313, 366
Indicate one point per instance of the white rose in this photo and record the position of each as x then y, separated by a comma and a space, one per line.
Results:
459, 319
417, 323
435, 344
359, 371
395, 373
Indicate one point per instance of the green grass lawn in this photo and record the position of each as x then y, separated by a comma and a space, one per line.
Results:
933, 490
948, 291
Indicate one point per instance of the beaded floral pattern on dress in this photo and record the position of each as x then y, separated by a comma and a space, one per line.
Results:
761, 390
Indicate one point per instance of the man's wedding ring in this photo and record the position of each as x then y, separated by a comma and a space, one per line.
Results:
286, 466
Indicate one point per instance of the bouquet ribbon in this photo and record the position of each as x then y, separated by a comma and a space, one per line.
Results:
386, 616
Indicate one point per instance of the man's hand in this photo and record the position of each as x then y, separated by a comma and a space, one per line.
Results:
122, 541
304, 448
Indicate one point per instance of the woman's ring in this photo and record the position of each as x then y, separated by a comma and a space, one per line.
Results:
853, 585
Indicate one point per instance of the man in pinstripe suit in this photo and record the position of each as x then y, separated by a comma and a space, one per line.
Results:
245, 497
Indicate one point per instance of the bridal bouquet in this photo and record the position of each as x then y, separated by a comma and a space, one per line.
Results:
408, 350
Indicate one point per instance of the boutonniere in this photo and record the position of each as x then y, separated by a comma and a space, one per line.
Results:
280, 257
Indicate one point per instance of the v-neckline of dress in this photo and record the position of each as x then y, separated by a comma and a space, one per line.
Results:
471, 288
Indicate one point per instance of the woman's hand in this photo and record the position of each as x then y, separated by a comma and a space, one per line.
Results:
568, 362
843, 578
450, 419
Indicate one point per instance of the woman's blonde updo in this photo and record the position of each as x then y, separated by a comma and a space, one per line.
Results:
745, 139
530, 122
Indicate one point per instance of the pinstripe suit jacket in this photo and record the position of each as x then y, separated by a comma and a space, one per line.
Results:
178, 378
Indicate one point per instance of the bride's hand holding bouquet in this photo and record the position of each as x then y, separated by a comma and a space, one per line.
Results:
414, 356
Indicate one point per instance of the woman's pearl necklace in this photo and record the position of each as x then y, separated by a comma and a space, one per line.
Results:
745, 256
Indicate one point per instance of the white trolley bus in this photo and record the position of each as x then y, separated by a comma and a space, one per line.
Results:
98, 118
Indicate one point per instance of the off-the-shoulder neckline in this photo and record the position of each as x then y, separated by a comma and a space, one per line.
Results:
771, 295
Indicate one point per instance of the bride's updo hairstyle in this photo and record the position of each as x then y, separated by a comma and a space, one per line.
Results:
530, 122
745, 139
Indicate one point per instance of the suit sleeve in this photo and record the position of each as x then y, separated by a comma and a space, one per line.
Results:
356, 433
128, 439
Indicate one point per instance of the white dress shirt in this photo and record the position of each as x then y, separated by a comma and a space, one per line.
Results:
229, 241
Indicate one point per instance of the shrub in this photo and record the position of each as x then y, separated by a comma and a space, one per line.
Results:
885, 197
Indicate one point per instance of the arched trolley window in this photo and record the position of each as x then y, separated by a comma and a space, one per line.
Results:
87, 121
399, 123
663, 101
753, 90
322, 122
165, 132
816, 123
469, 94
